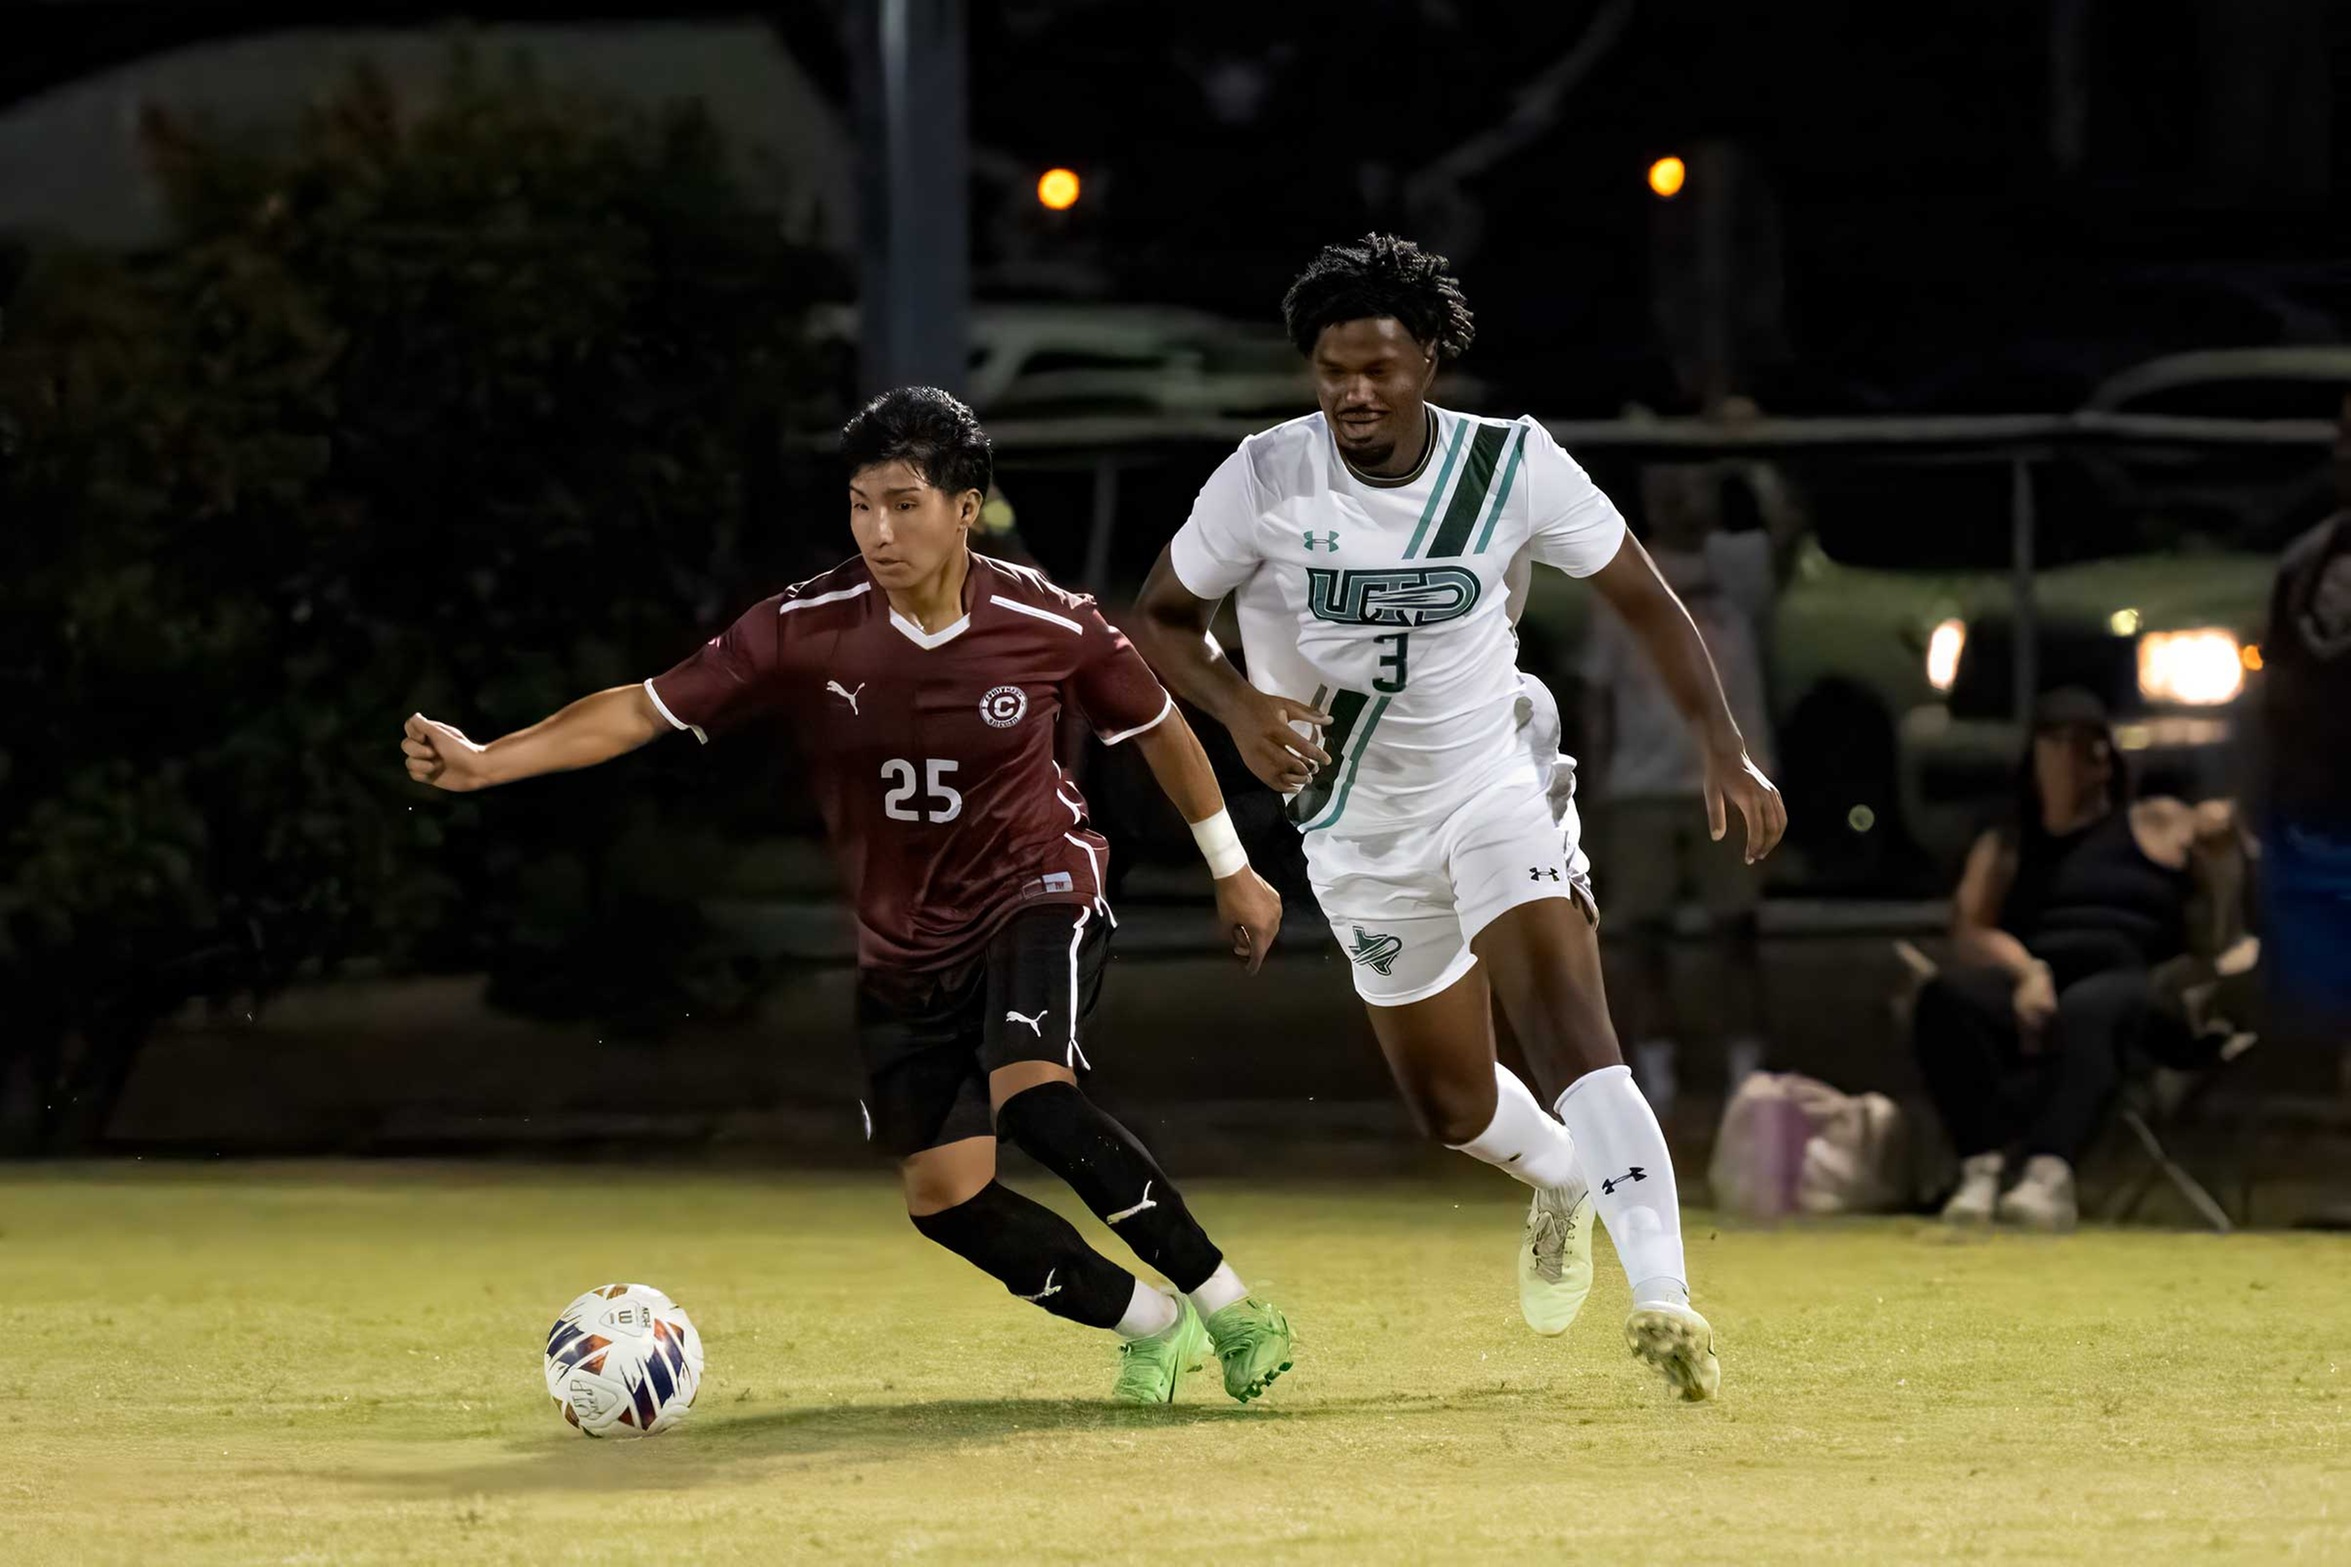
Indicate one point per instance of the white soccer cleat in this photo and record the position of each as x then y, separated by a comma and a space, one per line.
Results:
1979, 1191
1680, 1344
1555, 1258
2044, 1199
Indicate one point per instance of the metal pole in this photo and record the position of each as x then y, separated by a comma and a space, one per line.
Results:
915, 266
2025, 657
1097, 568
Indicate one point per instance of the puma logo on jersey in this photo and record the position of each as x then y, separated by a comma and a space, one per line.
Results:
1050, 1288
1036, 1024
1128, 1213
1376, 951
845, 694
1400, 596
1326, 540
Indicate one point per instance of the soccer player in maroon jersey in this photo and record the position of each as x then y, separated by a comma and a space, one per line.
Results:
923, 683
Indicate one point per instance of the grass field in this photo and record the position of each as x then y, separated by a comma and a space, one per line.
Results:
340, 1364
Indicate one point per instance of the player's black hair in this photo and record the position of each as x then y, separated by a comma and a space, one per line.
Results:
1380, 275
930, 431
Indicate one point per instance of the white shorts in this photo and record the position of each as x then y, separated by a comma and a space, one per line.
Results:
1404, 904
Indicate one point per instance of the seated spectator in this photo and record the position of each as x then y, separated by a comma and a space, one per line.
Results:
2061, 925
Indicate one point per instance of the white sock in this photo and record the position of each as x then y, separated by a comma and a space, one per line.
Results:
1151, 1311
1522, 1140
1219, 1290
1625, 1159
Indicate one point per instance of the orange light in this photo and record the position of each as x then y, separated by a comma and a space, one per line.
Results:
2252, 657
1058, 189
1666, 176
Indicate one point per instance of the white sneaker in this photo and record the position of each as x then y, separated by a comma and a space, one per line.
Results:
2044, 1199
1979, 1191
1555, 1258
1680, 1344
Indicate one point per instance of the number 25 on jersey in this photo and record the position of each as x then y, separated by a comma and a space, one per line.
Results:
940, 802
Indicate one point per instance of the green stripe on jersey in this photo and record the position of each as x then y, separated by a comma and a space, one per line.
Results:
1469, 497
1347, 784
1518, 449
1437, 490
1345, 708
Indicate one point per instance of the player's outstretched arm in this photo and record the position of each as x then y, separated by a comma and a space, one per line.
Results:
1171, 627
1249, 910
594, 729
1633, 588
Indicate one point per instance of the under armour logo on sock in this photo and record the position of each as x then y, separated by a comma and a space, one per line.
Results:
1050, 1288
1128, 1213
1036, 1024
1636, 1173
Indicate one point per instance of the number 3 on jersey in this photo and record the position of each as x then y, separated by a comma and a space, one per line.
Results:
941, 803
1393, 659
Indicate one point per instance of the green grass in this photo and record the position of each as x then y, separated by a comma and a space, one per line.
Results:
340, 1364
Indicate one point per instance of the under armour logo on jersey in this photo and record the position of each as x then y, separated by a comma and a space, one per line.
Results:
1050, 1288
1326, 540
1609, 1186
1376, 950
1036, 1024
1538, 872
845, 694
1128, 1213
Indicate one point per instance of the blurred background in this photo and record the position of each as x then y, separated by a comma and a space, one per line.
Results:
387, 357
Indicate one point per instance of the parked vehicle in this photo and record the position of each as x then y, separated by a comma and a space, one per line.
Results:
1896, 634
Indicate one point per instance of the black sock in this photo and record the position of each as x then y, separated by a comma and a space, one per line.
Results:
1067, 1133
1035, 1253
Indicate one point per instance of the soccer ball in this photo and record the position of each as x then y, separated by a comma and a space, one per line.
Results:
623, 1360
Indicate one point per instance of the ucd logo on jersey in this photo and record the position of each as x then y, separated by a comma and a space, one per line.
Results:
1403, 596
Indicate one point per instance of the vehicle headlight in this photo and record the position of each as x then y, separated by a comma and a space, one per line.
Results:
2200, 668
1944, 645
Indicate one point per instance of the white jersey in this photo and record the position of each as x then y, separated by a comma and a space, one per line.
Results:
1386, 603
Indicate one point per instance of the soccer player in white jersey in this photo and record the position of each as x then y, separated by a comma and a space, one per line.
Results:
1375, 551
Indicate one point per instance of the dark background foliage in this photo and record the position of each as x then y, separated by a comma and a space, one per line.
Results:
464, 407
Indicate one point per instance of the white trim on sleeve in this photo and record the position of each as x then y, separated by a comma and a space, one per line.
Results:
1143, 728
674, 721
833, 597
1018, 607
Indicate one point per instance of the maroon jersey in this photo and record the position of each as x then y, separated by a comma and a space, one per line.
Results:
931, 754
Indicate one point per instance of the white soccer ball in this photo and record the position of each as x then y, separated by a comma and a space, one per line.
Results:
624, 1360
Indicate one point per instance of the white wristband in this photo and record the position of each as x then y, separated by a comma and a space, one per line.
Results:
1220, 845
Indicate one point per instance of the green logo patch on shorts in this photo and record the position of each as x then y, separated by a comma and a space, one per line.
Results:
1376, 950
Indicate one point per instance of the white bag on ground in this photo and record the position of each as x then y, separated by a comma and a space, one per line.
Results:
1791, 1144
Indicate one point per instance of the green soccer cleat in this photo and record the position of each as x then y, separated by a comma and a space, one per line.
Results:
1680, 1344
1555, 1258
1148, 1368
1254, 1342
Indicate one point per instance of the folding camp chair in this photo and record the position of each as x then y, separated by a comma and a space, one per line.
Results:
2168, 1100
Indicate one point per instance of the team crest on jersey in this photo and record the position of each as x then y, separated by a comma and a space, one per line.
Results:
1376, 950
1004, 706
1397, 596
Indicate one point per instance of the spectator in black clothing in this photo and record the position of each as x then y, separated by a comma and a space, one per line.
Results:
2060, 923
2306, 804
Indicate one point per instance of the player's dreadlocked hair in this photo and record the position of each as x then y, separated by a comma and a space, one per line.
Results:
1380, 275
930, 431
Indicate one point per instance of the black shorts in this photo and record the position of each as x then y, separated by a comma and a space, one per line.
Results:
930, 1039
